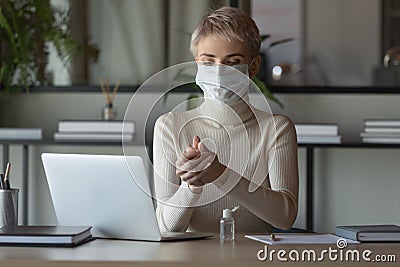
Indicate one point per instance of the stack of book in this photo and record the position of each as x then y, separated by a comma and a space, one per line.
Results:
317, 133
381, 131
83, 130
20, 133
370, 233
69, 236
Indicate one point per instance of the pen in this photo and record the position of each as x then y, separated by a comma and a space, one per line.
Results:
6, 180
273, 237
2, 181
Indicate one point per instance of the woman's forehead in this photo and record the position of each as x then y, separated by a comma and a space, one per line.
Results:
219, 47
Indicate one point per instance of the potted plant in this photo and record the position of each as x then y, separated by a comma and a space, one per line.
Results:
262, 76
27, 28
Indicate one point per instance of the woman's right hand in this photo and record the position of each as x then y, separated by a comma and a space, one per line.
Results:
189, 156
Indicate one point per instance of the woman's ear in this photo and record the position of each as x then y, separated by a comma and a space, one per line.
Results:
255, 66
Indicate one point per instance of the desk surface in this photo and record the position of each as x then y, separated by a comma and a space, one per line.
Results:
207, 252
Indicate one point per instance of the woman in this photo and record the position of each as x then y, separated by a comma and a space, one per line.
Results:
225, 153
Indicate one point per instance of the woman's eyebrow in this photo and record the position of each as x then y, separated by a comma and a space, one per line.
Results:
234, 55
227, 56
207, 55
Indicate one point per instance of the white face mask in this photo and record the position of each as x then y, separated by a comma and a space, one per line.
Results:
223, 83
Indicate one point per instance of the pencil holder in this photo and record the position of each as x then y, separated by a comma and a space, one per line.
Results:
8, 207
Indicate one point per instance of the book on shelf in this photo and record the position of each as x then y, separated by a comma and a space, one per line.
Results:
316, 129
321, 139
377, 134
20, 133
382, 130
90, 126
370, 233
93, 136
382, 122
381, 140
45, 235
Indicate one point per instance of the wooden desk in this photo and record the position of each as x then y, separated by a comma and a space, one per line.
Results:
207, 252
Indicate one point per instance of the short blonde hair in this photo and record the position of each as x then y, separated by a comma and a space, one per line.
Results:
230, 24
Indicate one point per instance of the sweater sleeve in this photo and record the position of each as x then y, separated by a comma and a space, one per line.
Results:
174, 201
276, 205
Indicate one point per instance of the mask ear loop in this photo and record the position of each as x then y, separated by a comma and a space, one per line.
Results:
251, 63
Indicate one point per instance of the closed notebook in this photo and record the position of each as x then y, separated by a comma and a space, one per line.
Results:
45, 235
370, 233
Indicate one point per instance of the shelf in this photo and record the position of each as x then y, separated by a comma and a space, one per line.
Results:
277, 89
353, 145
72, 142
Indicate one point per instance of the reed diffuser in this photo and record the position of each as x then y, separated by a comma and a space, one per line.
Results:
109, 112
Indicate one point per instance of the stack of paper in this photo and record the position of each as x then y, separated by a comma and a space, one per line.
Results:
289, 238
317, 133
381, 131
95, 131
20, 133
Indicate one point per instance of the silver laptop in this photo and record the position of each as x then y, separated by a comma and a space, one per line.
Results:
99, 191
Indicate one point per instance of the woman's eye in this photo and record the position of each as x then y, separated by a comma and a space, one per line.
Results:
208, 63
231, 63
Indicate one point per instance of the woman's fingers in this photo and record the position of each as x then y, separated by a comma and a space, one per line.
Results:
198, 164
192, 162
188, 175
187, 155
196, 141
190, 152
195, 180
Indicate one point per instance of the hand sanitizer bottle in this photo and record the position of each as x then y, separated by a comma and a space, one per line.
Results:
227, 225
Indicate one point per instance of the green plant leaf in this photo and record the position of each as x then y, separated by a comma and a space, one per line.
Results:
264, 89
6, 26
26, 29
264, 37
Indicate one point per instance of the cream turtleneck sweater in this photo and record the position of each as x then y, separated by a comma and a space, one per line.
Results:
258, 149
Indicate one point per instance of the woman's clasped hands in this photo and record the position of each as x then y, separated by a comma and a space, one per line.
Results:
198, 166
